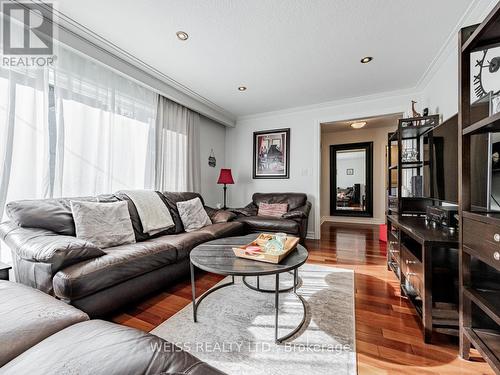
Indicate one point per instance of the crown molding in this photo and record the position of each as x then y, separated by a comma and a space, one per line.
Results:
328, 104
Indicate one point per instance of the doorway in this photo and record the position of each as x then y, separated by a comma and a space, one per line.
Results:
372, 130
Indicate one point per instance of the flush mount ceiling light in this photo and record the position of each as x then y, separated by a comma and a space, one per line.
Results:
182, 35
242, 88
358, 125
366, 60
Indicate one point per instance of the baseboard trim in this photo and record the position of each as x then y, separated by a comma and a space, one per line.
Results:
311, 235
352, 220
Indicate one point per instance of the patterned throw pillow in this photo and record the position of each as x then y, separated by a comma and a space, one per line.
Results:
272, 209
193, 215
103, 224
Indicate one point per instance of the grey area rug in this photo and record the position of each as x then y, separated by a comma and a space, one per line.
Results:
235, 328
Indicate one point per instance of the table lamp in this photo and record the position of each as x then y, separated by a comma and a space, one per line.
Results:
225, 177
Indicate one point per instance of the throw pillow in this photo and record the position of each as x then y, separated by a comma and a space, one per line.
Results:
272, 209
193, 215
222, 216
103, 224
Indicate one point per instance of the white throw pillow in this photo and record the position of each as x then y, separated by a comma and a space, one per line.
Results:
103, 224
193, 214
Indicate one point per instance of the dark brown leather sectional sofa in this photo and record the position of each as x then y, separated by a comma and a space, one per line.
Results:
41, 335
47, 255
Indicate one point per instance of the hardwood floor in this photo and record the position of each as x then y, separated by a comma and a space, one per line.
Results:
388, 337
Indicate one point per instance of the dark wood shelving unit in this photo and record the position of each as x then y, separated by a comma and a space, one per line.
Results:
413, 130
486, 125
479, 252
412, 248
414, 245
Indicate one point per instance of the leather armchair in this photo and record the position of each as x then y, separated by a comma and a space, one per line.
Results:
293, 222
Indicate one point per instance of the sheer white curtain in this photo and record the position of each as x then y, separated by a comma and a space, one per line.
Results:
24, 135
105, 129
24, 139
177, 165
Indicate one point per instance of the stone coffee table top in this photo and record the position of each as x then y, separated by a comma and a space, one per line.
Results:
217, 256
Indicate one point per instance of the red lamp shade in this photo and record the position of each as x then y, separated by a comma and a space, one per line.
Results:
225, 177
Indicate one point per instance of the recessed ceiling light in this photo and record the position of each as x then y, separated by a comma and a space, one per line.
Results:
358, 125
366, 60
182, 35
242, 88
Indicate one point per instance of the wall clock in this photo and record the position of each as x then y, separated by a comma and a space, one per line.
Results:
485, 80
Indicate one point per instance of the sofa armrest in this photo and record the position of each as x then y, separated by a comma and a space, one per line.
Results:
299, 213
41, 245
219, 216
30, 316
249, 210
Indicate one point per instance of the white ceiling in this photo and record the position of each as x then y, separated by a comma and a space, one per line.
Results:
288, 52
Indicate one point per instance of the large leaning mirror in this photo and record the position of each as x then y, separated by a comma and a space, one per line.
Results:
351, 179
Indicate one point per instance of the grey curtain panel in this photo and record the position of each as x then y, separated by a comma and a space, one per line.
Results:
177, 146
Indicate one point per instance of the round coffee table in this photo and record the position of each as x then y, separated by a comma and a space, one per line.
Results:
217, 257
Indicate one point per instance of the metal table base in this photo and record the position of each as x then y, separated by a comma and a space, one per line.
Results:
276, 292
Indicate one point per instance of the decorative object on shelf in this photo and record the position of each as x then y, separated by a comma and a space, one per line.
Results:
226, 178
271, 154
417, 186
212, 162
425, 112
409, 156
495, 156
414, 112
349, 172
483, 82
494, 104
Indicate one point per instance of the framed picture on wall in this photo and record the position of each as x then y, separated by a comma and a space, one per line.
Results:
350, 172
271, 154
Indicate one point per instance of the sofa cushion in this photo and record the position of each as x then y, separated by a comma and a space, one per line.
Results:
219, 216
28, 316
41, 245
120, 263
103, 224
220, 230
51, 214
294, 200
269, 224
185, 242
193, 214
97, 347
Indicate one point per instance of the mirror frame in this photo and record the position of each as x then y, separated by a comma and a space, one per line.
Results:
368, 147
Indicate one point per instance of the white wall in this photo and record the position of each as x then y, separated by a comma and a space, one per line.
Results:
305, 151
379, 138
212, 136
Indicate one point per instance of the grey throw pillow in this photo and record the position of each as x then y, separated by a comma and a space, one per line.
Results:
193, 215
103, 224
